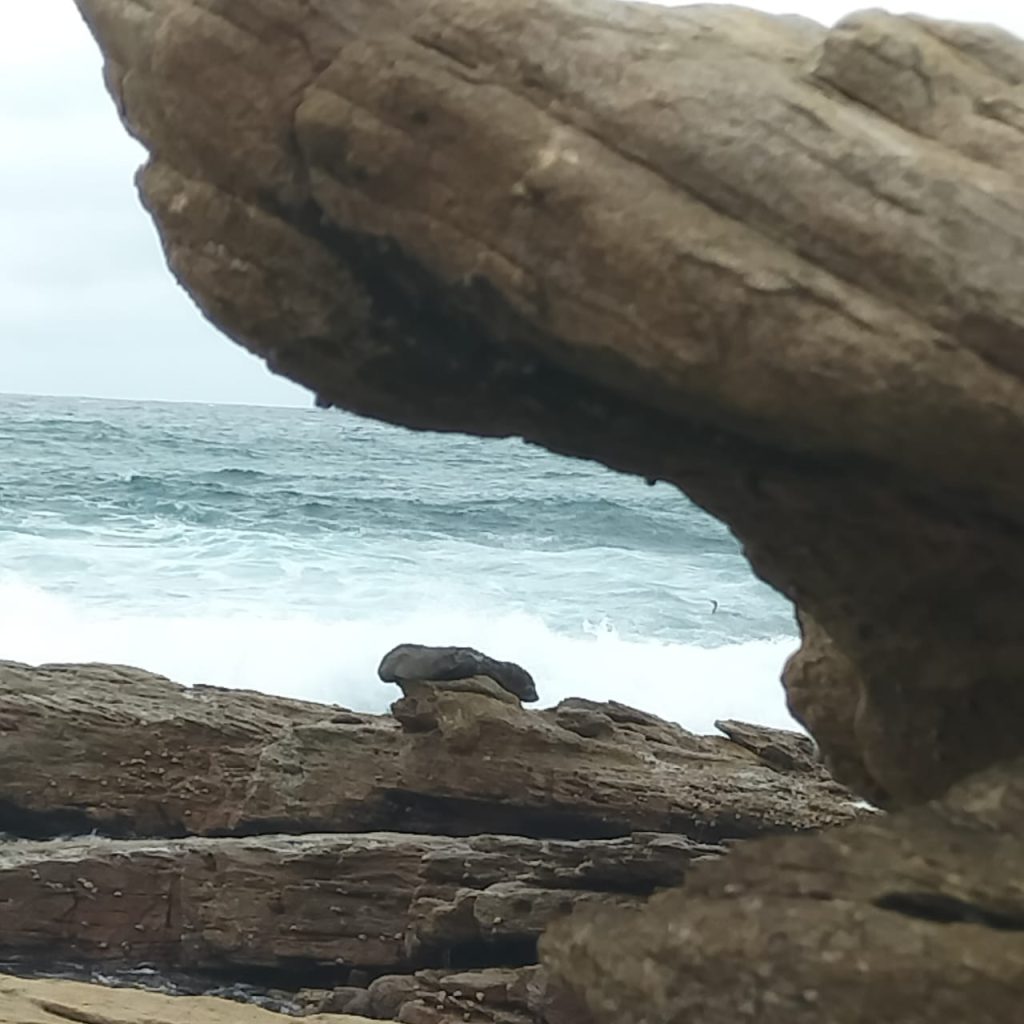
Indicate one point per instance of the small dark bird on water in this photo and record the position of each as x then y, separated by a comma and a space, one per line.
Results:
714, 605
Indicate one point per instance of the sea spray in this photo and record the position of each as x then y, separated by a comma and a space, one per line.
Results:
335, 660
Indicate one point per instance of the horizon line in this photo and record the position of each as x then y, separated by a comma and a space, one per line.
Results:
164, 401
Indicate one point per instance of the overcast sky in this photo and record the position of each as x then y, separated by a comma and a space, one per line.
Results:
87, 306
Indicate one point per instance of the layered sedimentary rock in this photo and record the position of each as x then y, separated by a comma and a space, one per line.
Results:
916, 918
400, 908
86, 747
771, 263
292, 905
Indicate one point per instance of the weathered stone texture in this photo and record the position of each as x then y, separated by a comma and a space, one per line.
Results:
915, 917
131, 753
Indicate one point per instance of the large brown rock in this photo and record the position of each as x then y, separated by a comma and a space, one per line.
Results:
915, 917
773, 264
86, 747
446, 920
380, 902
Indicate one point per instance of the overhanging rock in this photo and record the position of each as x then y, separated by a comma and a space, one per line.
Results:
775, 265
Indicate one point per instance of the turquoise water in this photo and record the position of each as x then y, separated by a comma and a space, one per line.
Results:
286, 550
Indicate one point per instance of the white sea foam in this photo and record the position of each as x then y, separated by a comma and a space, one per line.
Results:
333, 658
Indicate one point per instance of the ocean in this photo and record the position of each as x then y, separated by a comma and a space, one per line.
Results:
286, 550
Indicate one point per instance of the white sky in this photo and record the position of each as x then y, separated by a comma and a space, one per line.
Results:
87, 305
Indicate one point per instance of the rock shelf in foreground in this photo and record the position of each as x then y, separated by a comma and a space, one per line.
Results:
424, 853
86, 747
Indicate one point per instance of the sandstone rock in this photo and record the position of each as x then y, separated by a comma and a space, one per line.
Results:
25, 1001
824, 690
573, 711
773, 264
414, 663
337, 903
416, 710
131, 753
786, 750
915, 917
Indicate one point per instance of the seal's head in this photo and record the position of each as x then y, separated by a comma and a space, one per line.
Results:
518, 681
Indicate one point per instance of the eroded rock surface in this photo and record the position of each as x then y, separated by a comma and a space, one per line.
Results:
771, 263
423, 928
379, 902
86, 747
404, 909
915, 917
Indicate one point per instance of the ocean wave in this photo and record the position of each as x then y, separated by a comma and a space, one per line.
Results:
247, 499
334, 658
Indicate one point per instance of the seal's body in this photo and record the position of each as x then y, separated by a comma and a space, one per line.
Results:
410, 663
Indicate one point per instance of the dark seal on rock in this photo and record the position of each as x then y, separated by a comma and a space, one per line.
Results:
413, 663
